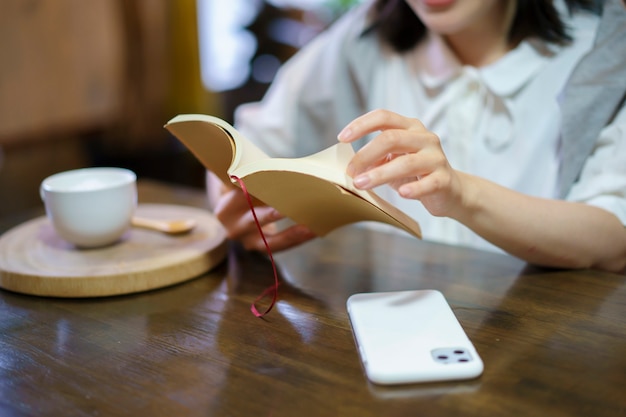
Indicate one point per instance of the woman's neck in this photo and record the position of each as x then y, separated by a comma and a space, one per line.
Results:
486, 42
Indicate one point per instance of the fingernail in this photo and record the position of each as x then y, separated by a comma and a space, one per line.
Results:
362, 181
275, 215
404, 191
345, 134
302, 231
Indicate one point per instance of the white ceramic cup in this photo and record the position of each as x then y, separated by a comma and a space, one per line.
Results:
90, 207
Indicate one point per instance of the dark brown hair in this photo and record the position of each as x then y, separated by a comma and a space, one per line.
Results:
398, 25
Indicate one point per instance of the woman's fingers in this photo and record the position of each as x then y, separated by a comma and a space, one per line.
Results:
374, 121
277, 241
406, 156
399, 136
233, 211
396, 156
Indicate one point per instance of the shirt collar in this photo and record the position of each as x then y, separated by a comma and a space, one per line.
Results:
511, 72
436, 64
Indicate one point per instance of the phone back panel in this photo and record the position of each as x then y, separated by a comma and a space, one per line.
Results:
411, 336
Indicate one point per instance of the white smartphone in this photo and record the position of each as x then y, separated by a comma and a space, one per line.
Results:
411, 336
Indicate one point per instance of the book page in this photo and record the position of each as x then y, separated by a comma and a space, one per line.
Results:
316, 191
216, 144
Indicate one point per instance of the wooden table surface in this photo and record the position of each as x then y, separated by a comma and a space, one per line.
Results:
553, 342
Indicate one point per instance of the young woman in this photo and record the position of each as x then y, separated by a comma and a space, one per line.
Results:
454, 107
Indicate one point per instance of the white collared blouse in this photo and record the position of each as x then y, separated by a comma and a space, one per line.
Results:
500, 122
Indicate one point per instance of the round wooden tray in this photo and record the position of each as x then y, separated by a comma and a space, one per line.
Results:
34, 260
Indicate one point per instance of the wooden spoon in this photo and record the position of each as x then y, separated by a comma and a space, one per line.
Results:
172, 227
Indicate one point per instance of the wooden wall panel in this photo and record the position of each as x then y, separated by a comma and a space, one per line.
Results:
61, 65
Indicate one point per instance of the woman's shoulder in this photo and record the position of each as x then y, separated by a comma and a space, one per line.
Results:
347, 46
583, 26
554, 62
352, 23
351, 34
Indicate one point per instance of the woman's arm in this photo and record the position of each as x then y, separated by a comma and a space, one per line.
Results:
541, 231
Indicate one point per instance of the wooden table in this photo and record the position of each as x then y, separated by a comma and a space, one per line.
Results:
553, 342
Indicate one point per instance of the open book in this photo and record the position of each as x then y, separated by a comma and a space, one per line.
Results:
314, 190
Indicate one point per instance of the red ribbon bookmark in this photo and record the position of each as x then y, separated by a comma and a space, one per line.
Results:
274, 288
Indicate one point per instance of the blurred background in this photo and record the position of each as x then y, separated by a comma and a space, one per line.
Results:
91, 83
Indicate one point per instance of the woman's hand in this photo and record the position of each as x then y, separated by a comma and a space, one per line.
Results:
232, 209
406, 156
542, 231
